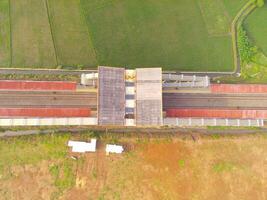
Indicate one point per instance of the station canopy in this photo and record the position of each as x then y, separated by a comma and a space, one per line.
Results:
111, 96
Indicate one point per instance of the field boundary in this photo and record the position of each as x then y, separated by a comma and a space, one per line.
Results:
82, 14
164, 132
51, 29
10, 33
226, 14
237, 22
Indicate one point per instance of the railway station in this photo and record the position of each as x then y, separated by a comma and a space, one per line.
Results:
142, 97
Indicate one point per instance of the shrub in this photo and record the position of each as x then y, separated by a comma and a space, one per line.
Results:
260, 3
246, 50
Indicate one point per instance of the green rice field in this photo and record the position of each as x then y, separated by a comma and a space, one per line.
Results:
32, 43
4, 33
71, 37
192, 35
256, 25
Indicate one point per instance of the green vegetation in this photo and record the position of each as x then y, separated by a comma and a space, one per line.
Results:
256, 28
260, 3
252, 45
71, 37
223, 167
32, 149
246, 50
250, 73
215, 16
32, 43
181, 163
63, 176
254, 62
234, 6
4, 34
41, 167
222, 128
173, 34
40, 77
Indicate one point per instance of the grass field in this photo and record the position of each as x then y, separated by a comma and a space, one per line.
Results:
4, 34
215, 16
256, 25
233, 6
173, 34
72, 40
32, 43
215, 167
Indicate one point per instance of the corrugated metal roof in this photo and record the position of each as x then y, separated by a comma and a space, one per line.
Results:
149, 96
217, 113
238, 88
111, 96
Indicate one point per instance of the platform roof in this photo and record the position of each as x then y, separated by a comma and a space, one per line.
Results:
149, 96
111, 96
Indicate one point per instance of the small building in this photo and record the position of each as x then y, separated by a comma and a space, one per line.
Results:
149, 97
111, 148
130, 97
111, 96
82, 147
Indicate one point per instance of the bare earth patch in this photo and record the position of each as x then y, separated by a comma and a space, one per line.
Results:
221, 168
28, 182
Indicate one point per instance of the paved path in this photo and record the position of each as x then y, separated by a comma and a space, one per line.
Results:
209, 74
79, 72
177, 132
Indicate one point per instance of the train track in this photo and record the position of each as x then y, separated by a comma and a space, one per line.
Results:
226, 101
29, 99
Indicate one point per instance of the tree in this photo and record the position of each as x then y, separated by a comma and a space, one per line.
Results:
246, 50
260, 3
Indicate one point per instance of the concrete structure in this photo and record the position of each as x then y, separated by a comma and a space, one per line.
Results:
111, 148
212, 122
185, 81
82, 147
73, 121
111, 96
149, 97
130, 97
89, 79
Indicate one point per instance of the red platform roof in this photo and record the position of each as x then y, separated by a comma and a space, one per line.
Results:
45, 112
238, 88
217, 113
36, 85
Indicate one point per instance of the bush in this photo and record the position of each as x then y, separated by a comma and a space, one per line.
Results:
260, 3
246, 50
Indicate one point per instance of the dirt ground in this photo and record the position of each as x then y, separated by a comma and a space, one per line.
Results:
28, 182
207, 168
